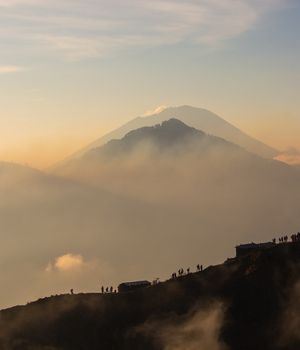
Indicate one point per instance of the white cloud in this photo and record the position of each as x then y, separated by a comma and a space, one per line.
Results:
290, 156
86, 28
65, 263
155, 111
10, 69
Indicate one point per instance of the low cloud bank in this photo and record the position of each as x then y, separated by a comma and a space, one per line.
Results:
290, 156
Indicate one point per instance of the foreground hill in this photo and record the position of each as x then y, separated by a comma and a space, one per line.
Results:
247, 303
198, 118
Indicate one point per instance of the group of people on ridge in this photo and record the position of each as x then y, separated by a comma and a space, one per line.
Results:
181, 272
108, 290
284, 239
295, 237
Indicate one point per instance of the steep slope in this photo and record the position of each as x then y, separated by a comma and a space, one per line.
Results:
247, 303
198, 118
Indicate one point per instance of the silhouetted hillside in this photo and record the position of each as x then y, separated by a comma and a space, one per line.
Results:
247, 303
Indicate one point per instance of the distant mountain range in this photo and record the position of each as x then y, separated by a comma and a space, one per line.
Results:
180, 168
170, 135
198, 118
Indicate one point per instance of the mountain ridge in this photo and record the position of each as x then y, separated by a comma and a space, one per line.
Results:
198, 118
170, 134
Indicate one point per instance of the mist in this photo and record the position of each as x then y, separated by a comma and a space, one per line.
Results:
199, 329
139, 211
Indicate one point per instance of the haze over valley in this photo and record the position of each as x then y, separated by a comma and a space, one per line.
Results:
139, 202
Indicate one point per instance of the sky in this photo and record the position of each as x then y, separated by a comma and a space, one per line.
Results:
72, 70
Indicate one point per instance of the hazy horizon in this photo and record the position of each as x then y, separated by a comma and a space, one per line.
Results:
42, 156
71, 71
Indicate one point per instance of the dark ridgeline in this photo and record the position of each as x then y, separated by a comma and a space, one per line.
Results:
197, 118
171, 135
244, 249
254, 287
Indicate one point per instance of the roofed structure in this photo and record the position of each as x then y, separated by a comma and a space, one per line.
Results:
244, 249
129, 286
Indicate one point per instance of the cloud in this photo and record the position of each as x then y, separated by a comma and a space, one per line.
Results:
288, 335
10, 69
157, 110
290, 156
198, 330
65, 263
80, 29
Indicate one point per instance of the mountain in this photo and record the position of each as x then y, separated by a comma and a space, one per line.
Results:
250, 302
203, 185
198, 118
170, 135
148, 152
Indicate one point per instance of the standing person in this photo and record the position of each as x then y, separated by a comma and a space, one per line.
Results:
102, 290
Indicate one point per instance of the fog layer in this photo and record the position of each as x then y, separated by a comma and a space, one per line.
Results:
140, 208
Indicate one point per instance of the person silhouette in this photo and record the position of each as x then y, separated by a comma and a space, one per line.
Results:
72, 291
111, 289
102, 290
